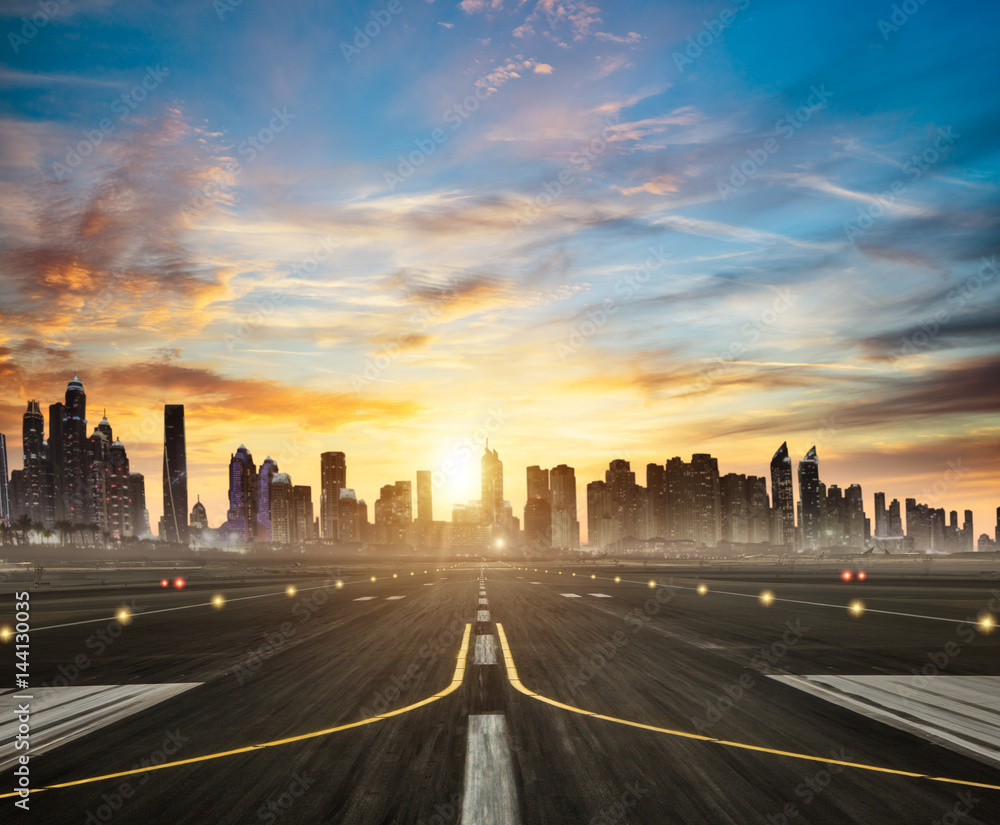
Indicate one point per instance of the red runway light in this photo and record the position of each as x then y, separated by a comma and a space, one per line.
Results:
862, 575
179, 583
846, 575
164, 583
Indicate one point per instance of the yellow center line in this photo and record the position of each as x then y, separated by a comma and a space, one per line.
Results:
456, 682
516, 683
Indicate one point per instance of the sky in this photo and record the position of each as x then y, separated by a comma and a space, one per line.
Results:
584, 230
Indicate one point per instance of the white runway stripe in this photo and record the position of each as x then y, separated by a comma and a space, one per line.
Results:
570, 595
485, 653
483, 616
490, 796
599, 595
365, 599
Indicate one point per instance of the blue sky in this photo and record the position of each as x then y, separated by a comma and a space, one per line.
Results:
644, 230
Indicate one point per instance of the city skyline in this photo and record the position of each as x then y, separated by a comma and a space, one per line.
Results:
248, 517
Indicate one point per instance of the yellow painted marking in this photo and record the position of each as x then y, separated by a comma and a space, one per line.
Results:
456, 681
516, 683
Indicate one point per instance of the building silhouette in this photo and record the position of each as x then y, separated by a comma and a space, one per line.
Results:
137, 496
811, 497
783, 498
333, 479
492, 485
175, 478
565, 522
282, 509
5, 511
268, 468
241, 517
538, 510
425, 496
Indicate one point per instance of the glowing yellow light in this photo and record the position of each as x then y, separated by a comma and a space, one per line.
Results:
290, 590
766, 598
652, 583
574, 574
411, 573
395, 575
5, 633
425, 571
218, 600
857, 607
340, 584
124, 615
372, 578
593, 576
986, 623
702, 589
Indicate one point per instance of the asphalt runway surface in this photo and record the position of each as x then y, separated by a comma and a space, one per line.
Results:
574, 699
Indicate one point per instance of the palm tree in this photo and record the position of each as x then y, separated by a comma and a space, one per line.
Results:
23, 526
65, 530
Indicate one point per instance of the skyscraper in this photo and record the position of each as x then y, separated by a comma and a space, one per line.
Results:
4, 482
735, 508
783, 497
241, 516
492, 484
57, 455
565, 525
812, 501
34, 476
303, 503
348, 526
282, 509
140, 515
538, 510
425, 496
603, 526
76, 497
705, 499
333, 479
626, 497
96, 472
268, 468
760, 522
656, 492
175, 480
881, 517
119, 505
855, 504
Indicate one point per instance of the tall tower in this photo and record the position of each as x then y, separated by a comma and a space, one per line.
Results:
333, 479
565, 526
140, 516
119, 502
264, 477
881, 516
241, 516
57, 455
425, 496
811, 497
492, 484
783, 497
74, 426
538, 509
4, 482
282, 509
706, 499
656, 491
175, 478
33, 479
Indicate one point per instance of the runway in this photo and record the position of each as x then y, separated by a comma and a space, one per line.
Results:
514, 694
